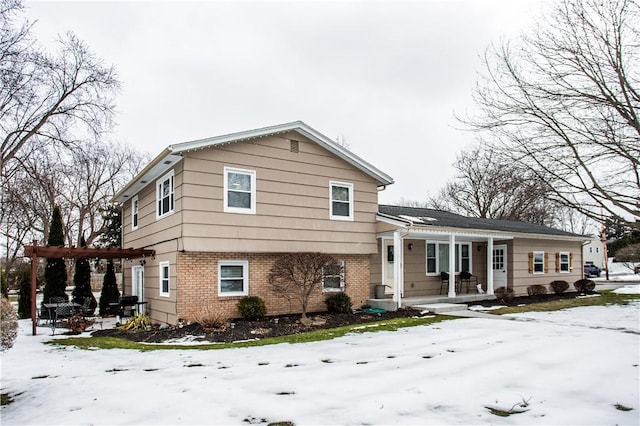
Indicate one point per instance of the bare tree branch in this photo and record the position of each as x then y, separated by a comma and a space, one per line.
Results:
563, 103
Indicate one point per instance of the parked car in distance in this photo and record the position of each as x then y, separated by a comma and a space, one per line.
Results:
591, 270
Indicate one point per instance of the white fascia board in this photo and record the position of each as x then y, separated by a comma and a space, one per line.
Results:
392, 220
158, 167
439, 233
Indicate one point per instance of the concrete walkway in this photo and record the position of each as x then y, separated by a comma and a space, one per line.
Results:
455, 310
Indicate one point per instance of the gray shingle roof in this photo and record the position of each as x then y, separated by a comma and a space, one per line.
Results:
430, 217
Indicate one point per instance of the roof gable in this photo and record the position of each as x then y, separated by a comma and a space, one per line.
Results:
438, 218
173, 153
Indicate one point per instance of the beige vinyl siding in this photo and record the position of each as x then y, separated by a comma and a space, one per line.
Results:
416, 283
519, 273
161, 308
292, 200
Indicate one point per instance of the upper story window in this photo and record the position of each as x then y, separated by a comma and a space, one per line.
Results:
340, 201
164, 195
333, 277
239, 190
438, 257
134, 213
164, 279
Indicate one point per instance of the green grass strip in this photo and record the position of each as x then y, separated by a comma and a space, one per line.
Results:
93, 343
605, 298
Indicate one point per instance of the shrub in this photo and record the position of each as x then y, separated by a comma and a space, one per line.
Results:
110, 295
8, 324
503, 294
534, 290
252, 307
209, 317
584, 285
339, 303
559, 286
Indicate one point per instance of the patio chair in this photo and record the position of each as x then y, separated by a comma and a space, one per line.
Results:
444, 283
87, 310
466, 277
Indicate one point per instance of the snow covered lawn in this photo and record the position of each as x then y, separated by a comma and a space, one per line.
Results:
571, 367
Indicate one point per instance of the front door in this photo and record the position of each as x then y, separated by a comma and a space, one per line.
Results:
137, 282
499, 266
387, 265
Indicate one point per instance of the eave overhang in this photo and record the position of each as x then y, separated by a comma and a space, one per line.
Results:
172, 155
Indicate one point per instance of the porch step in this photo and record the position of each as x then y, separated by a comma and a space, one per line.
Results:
439, 308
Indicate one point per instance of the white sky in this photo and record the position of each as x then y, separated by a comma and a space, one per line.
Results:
572, 367
385, 76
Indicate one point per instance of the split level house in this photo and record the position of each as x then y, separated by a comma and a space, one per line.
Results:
219, 211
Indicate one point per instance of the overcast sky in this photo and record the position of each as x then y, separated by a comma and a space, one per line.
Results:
387, 77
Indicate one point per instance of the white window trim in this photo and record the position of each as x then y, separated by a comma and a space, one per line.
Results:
332, 289
252, 174
534, 263
161, 266
459, 260
159, 182
347, 185
135, 213
245, 277
568, 262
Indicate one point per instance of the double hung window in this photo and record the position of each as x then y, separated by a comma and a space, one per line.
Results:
340, 201
239, 190
134, 213
233, 278
164, 279
164, 195
538, 262
333, 277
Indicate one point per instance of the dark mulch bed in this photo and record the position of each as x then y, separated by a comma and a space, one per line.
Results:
526, 300
282, 325
241, 329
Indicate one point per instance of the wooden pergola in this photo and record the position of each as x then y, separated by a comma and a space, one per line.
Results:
59, 252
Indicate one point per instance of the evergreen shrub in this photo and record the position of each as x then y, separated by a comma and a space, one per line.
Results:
559, 286
536, 289
584, 285
252, 307
110, 292
339, 303
503, 294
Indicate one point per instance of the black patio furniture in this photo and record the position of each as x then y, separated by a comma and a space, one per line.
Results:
468, 278
127, 306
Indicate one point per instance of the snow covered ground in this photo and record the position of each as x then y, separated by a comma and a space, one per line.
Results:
570, 367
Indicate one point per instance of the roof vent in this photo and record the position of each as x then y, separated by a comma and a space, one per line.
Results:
168, 162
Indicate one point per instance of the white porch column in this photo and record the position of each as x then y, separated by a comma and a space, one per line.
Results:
452, 266
490, 266
398, 275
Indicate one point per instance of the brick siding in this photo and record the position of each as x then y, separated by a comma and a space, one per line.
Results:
197, 284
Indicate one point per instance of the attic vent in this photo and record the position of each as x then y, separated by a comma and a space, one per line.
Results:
294, 146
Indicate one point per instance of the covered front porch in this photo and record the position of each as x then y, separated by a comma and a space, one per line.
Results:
414, 264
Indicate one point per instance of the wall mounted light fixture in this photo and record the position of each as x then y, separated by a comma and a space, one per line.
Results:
410, 246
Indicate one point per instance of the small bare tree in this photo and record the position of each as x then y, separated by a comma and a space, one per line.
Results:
295, 276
